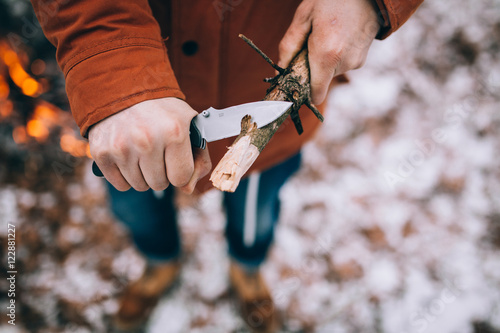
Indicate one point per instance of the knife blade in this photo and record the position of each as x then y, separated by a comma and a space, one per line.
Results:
216, 124
212, 124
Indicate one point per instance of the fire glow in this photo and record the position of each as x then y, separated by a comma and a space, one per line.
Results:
46, 116
19, 76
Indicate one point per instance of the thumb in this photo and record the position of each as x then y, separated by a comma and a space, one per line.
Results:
295, 37
202, 166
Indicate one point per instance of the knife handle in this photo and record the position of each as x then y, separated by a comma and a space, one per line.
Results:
197, 141
195, 136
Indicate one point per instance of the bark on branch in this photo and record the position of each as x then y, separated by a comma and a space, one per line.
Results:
291, 84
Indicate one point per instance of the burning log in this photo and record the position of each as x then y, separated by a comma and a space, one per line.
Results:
40, 140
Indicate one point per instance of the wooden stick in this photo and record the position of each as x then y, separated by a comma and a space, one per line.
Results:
262, 54
291, 85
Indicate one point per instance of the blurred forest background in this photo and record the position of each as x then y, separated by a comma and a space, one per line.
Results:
392, 225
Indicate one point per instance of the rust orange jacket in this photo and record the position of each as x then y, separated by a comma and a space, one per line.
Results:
114, 55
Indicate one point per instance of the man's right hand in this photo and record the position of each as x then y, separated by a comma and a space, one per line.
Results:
147, 146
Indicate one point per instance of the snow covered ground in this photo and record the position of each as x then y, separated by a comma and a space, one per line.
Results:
392, 225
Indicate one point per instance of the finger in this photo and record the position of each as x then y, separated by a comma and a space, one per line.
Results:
296, 35
114, 177
202, 166
179, 162
324, 62
133, 175
154, 170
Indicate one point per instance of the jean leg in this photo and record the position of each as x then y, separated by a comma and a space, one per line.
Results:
151, 220
253, 210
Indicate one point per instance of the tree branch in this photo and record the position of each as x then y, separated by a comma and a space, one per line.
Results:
292, 84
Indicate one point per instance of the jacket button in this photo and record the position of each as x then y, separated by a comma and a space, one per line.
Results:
190, 47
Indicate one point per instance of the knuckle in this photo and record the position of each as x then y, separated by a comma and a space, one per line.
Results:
120, 148
334, 55
101, 156
328, 57
174, 132
143, 141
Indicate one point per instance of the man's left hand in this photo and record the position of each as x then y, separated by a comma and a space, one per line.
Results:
338, 35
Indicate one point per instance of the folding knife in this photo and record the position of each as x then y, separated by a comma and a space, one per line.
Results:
212, 124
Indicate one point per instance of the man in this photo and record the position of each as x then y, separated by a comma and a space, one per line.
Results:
136, 112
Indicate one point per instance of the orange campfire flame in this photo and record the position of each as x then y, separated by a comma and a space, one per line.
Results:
46, 116
37, 129
6, 108
29, 86
4, 89
43, 119
19, 135
5, 104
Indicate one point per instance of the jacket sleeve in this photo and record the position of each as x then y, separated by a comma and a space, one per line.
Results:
111, 53
394, 13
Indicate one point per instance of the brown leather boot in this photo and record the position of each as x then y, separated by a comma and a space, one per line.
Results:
140, 297
257, 306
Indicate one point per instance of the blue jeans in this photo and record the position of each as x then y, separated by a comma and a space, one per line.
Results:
251, 211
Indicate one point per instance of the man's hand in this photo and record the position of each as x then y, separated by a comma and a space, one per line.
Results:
338, 34
148, 146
